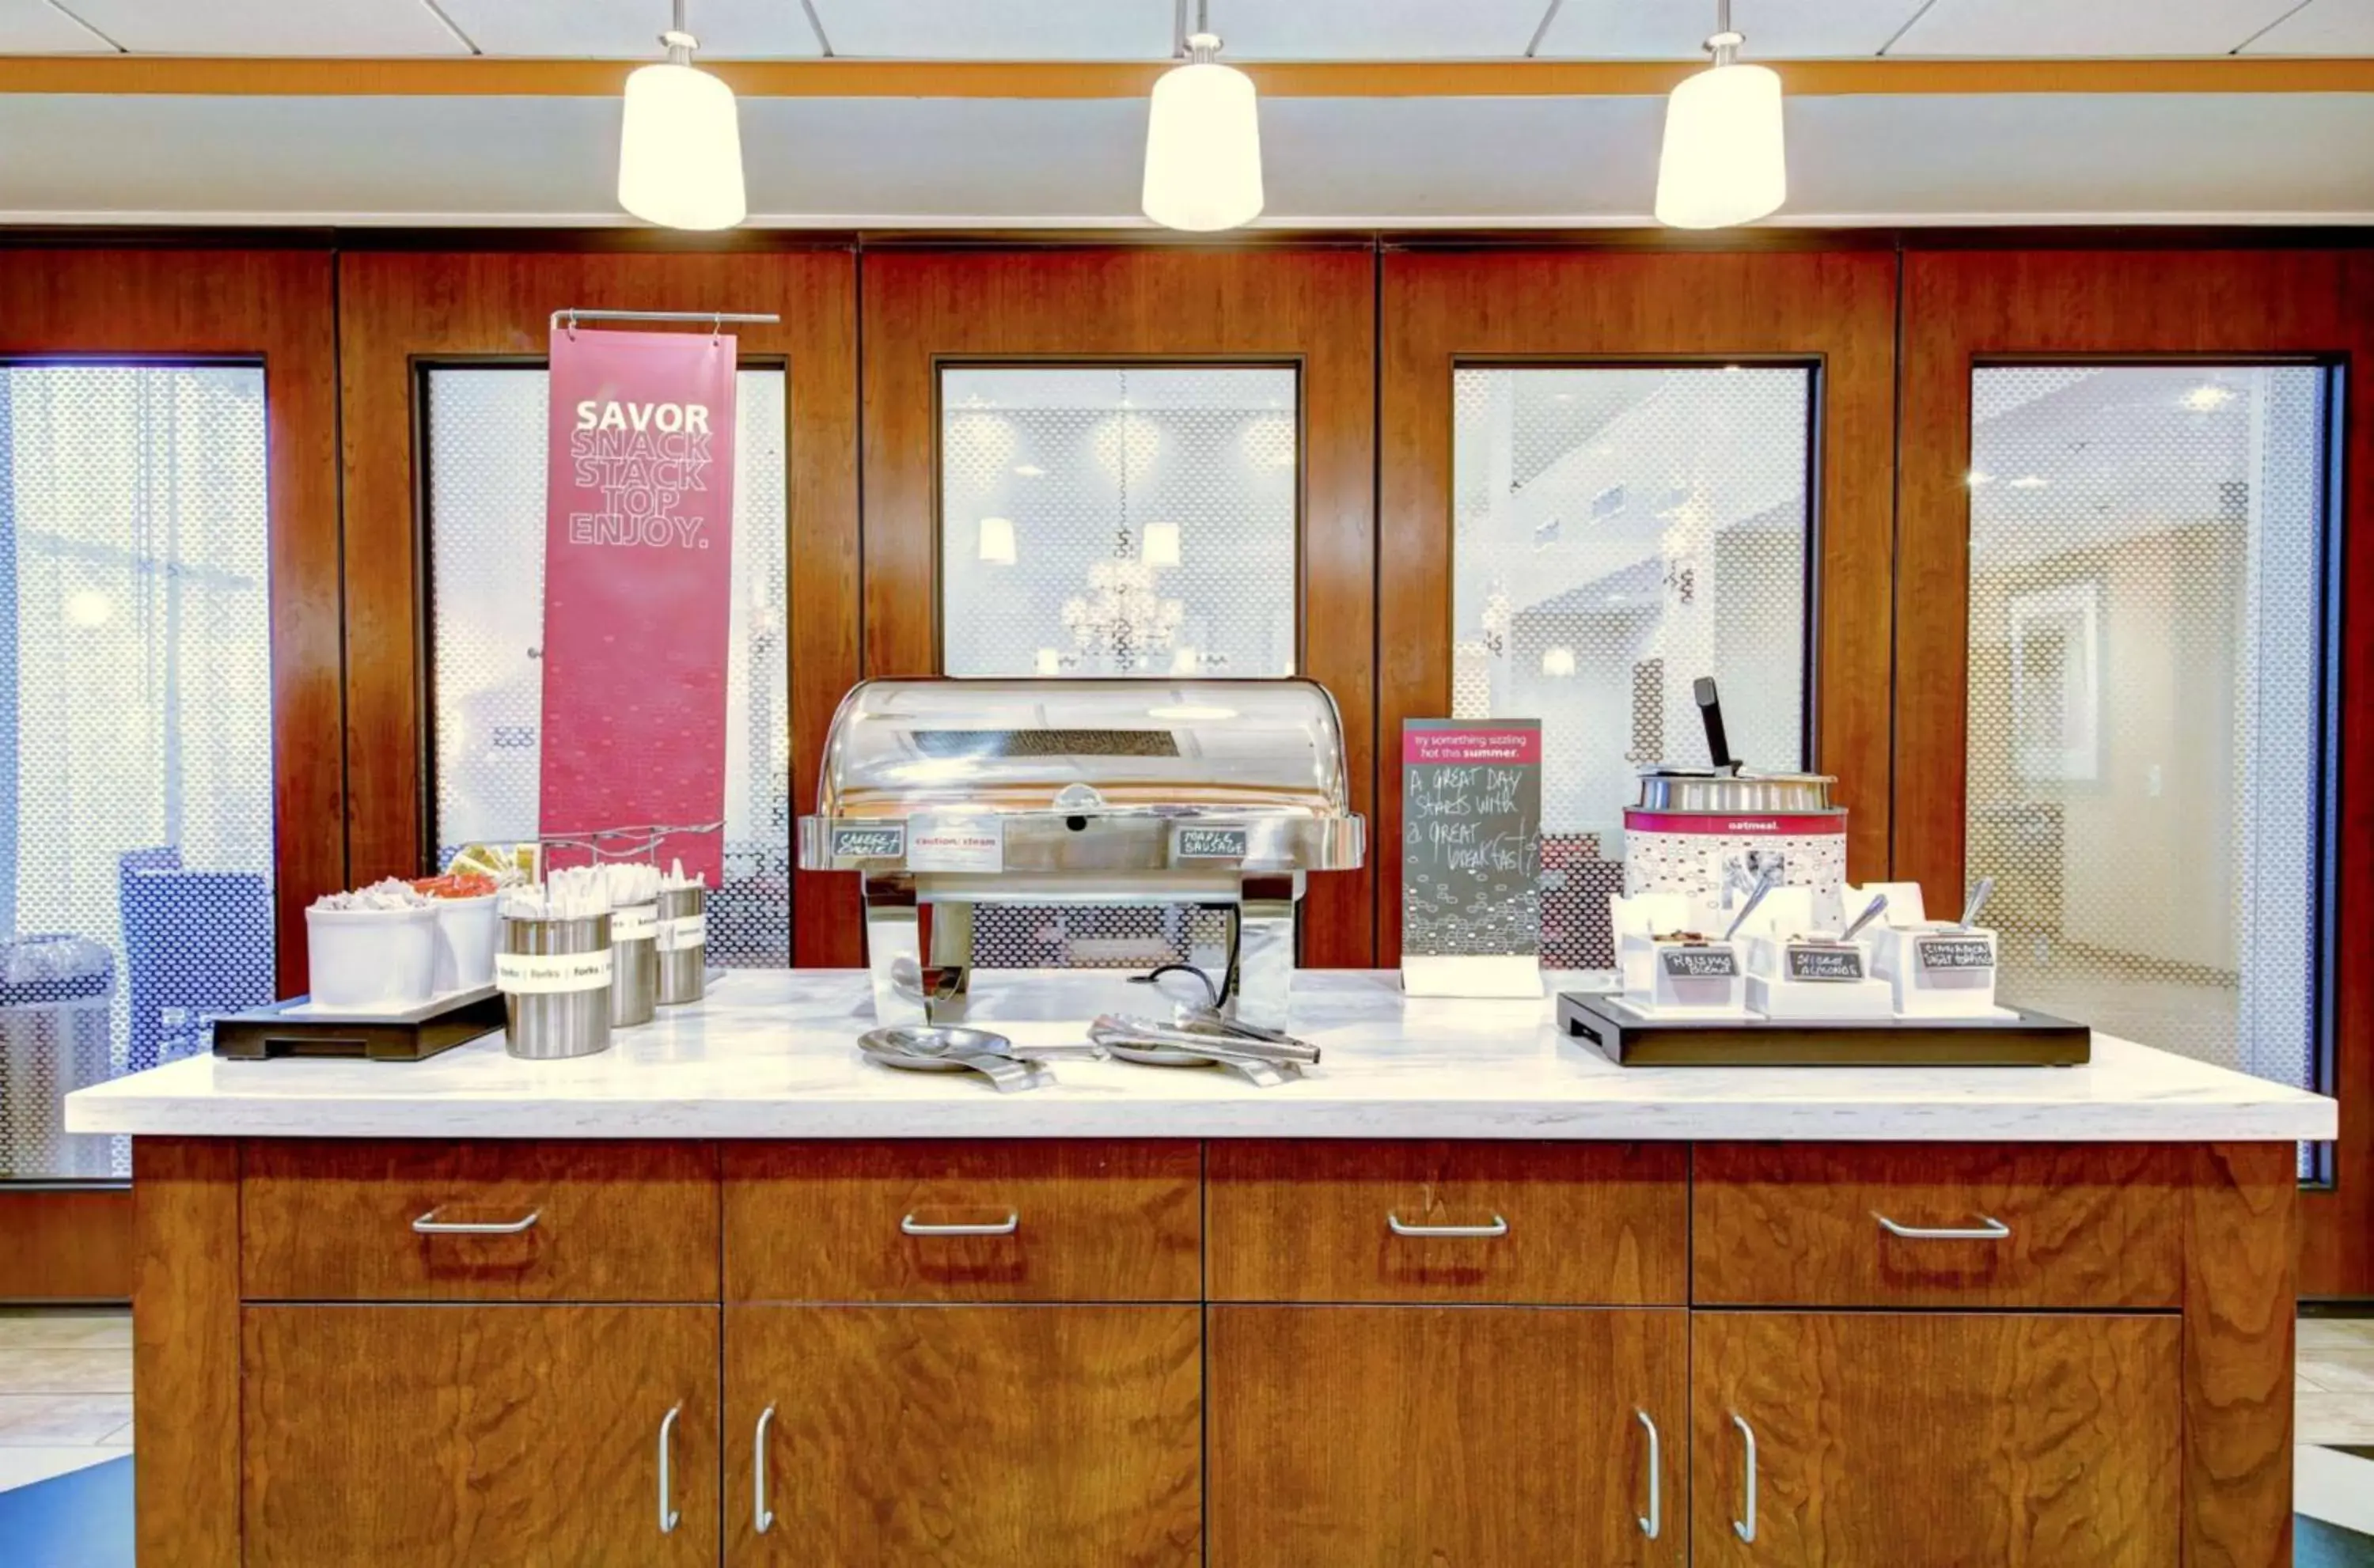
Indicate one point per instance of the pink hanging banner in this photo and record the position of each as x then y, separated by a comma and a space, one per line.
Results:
638, 587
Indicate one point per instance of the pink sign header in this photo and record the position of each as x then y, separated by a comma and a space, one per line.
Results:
1472, 743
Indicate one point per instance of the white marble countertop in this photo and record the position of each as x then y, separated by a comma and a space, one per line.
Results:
772, 1054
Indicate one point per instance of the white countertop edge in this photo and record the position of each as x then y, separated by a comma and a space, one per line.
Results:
771, 1055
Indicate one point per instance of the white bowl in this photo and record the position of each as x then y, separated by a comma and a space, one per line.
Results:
381, 959
467, 929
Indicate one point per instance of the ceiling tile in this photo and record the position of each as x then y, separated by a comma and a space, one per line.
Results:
1376, 30
998, 29
271, 27
2146, 29
746, 30
2320, 26
36, 26
1676, 30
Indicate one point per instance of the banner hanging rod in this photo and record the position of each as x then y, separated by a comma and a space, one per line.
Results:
568, 320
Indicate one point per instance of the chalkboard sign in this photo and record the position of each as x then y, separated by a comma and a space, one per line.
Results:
1209, 844
1939, 953
1826, 963
885, 842
1472, 840
1700, 963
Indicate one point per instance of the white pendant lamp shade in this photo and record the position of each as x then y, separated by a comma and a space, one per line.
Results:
1203, 145
1723, 162
997, 540
680, 155
1161, 547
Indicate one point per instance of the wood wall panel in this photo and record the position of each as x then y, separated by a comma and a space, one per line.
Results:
1837, 307
395, 309
1961, 309
1314, 307
58, 1245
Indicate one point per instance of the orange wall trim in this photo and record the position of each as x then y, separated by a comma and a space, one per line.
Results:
480, 76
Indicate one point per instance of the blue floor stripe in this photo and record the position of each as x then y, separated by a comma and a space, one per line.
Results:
81, 1519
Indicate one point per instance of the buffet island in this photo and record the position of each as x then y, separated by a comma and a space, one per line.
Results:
1465, 1292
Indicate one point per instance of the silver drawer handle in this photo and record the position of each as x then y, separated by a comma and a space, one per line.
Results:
1655, 1520
668, 1517
1005, 1227
429, 1225
1746, 1528
1499, 1227
763, 1518
1989, 1228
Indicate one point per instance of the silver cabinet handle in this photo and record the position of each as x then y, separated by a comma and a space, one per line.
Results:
429, 1225
1400, 1227
668, 1517
1656, 1520
1744, 1528
1005, 1227
1989, 1228
763, 1518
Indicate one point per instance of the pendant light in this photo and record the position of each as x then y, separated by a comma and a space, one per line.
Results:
1722, 162
680, 155
1202, 142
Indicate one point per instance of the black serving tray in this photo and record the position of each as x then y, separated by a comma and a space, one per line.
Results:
1632, 1038
292, 1028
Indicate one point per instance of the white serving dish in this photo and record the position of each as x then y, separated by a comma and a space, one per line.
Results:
466, 931
371, 958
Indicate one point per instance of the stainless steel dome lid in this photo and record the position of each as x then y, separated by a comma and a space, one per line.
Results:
1720, 791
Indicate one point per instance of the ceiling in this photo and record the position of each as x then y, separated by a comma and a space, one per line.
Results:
1137, 29
346, 145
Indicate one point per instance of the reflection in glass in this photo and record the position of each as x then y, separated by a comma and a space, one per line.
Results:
1118, 520
1619, 532
484, 459
137, 802
2147, 697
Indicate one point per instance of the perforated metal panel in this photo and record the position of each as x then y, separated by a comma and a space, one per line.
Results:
486, 470
1112, 521
137, 808
1619, 532
2146, 695
1160, 504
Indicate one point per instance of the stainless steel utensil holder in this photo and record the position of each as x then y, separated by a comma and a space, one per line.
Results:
554, 1010
634, 965
683, 944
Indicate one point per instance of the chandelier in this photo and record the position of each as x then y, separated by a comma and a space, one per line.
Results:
1123, 618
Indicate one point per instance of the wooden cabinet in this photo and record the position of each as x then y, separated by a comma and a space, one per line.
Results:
420, 1220
1480, 1221
414, 1436
1452, 1437
1927, 1224
965, 1436
1936, 1438
930, 1220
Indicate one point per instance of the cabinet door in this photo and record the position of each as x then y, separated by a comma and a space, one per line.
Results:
2002, 1439
412, 1437
1452, 1437
964, 1436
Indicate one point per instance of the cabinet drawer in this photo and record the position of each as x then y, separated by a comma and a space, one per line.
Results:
1937, 1225
1572, 1224
360, 1221
1058, 1220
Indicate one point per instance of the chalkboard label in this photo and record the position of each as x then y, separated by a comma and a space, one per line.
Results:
1471, 837
1957, 953
1209, 844
1826, 963
1700, 963
885, 841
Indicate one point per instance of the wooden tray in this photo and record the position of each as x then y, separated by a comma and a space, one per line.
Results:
1632, 1038
296, 1027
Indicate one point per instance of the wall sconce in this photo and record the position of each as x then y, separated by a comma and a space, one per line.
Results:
997, 540
1558, 662
1161, 547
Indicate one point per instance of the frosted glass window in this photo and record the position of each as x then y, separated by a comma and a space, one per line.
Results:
135, 800
485, 468
1617, 533
1118, 520
2149, 698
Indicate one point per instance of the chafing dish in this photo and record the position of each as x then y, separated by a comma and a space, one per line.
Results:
955, 793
